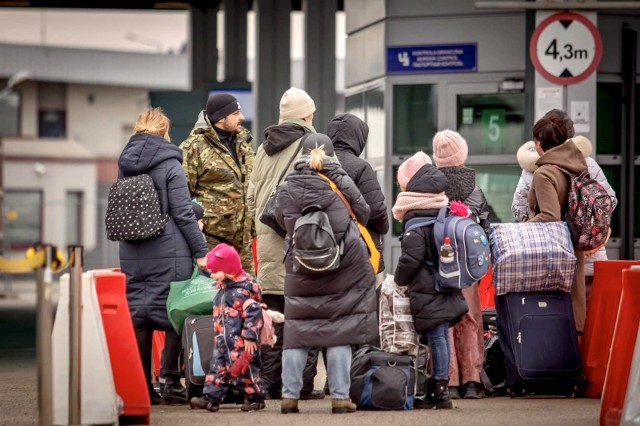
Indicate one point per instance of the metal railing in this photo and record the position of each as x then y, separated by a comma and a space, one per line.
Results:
46, 259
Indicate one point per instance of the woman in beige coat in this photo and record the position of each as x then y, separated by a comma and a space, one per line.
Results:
549, 192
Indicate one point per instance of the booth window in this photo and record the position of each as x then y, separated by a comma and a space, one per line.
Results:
492, 123
52, 124
10, 114
415, 115
22, 218
74, 217
498, 182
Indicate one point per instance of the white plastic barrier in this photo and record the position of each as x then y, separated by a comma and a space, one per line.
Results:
631, 408
98, 391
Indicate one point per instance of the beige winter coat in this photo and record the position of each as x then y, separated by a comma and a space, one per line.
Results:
281, 143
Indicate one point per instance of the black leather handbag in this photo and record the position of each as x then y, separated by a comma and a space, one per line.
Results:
268, 215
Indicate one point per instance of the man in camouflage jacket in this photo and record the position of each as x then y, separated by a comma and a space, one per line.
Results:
218, 161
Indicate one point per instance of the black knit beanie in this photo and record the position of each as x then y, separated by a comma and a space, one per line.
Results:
220, 105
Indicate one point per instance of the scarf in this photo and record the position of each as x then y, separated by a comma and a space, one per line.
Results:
417, 201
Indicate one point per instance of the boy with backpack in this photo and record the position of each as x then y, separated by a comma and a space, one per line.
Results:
423, 189
237, 323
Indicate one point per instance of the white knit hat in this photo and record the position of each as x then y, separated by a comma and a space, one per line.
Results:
296, 103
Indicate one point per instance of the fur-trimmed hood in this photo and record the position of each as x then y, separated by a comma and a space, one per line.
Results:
527, 155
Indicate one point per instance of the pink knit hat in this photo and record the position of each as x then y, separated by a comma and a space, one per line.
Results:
224, 258
410, 168
449, 149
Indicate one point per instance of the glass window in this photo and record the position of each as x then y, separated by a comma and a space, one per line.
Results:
415, 116
355, 105
492, 123
498, 184
10, 114
73, 217
52, 124
609, 119
376, 121
22, 218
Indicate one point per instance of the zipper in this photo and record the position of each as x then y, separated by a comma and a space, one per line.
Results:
224, 326
519, 338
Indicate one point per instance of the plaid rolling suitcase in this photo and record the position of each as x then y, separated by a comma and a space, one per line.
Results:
538, 337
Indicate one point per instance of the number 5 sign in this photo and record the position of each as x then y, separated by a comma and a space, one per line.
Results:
566, 48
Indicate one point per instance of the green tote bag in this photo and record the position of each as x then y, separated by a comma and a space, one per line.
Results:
190, 297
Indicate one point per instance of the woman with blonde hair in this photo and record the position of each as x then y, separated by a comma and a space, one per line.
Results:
151, 264
335, 308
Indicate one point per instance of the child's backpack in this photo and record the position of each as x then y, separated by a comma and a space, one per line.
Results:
313, 244
589, 212
267, 332
464, 250
133, 210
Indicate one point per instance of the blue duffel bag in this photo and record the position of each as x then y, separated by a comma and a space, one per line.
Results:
382, 380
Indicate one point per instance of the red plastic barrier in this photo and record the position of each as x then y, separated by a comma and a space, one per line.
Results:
600, 321
158, 347
487, 291
622, 346
128, 374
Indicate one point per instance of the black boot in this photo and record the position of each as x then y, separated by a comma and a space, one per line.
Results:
438, 394
174, 393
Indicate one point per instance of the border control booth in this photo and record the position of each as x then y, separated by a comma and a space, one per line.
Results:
414, 68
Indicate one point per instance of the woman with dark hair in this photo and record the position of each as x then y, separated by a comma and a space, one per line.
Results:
549, 191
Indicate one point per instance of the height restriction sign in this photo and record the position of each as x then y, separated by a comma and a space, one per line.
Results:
566, 48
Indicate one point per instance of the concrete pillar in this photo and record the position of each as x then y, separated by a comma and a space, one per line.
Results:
273, 60
320, 58
235, 40
204, 52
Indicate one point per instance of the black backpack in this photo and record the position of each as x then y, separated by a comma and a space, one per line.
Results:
133, 210
313, 244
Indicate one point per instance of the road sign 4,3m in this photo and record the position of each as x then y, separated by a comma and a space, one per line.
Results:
566, 48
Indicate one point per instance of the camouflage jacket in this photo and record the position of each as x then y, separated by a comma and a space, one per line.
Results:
216, 180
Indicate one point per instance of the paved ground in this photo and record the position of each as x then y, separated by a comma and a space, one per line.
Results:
18, 396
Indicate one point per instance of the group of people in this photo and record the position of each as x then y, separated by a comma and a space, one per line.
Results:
329, 312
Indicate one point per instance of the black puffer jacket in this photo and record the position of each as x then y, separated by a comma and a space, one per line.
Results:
462, 187
428, 306
339, 307
151, 264
349, 136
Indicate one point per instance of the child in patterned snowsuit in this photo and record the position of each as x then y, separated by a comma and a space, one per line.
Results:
236, 351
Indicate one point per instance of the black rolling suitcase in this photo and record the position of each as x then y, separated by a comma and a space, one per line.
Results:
538, 336
197, 346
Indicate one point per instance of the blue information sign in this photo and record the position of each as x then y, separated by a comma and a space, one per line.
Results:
439, 58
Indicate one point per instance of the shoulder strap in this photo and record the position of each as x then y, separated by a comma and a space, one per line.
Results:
339, 193
250, 301
418, 222
295, 154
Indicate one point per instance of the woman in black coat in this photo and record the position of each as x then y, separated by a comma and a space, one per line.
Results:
334, 309
423, 187
349, 136
151, 264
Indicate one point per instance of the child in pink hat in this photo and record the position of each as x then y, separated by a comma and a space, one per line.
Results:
450, 152
236, 352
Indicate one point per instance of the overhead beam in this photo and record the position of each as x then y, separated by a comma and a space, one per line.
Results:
566, 5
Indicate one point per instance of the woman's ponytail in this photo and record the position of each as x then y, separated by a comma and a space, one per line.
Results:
316, 158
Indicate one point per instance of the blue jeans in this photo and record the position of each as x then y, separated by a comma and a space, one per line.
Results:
338, 371
439, 344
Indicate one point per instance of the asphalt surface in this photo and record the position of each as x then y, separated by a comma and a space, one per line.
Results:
18, 396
